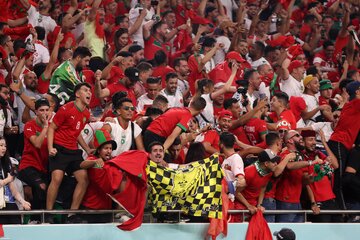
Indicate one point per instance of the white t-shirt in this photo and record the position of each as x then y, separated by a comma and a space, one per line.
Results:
38, 20
292, 87
88, 134
312, 102
122, 136
142, 102
41, 54
4, 123
251, 98
210, 65
133, 15
220, 54
183, 86
208, 112
233, 166
230, 5
175, 100
257, 63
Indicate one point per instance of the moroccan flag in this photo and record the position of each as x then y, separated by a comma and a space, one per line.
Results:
133, 197
1, 231
195, 189
218, 226
258, 228
63, 81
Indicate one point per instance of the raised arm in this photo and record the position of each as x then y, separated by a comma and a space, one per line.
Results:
53, 58
93, 10
227, 86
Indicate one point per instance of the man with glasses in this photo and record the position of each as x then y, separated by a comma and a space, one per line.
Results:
125, 133
290, 184
125, 84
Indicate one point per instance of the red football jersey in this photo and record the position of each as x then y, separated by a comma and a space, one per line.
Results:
70, 121
254, 183
43, 84
254, 129
32, 156
290, 184
166, 123
152, 45
213, 138
322, 189
117, 87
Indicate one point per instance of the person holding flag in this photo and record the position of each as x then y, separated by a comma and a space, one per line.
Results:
69, 74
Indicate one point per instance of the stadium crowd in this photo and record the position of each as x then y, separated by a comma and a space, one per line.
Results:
273, 87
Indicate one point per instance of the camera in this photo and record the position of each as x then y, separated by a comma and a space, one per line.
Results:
243, 90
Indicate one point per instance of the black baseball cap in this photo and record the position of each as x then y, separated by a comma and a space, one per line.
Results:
285, 234
132, 73
268, 156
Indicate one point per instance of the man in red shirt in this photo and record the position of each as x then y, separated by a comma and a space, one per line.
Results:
257, 177
320, 191
157, 41
210, 139
279, 104
34, 160
290, 185
116, 68
100, 181
344, 136
256, 128
125, 84
63, 137
172, 123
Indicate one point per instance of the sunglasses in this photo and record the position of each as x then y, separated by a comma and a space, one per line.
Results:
126, 108
296, 135
282, 131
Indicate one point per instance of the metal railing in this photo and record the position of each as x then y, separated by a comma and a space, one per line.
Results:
42, 213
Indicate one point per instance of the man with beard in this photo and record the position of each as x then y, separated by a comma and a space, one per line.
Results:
171, 91
290, 185
256, 128
310, 96
182, 70
257, 177
156, 40
138, 53
320, 190
63, 137
210, 139
69, 74
30, 90
41, 17
253, 81
222, 71
255, 56
125, 84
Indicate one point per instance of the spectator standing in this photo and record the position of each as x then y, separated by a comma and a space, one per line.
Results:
33, 169
63, 135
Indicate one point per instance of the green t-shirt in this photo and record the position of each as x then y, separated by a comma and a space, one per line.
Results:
63, 81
